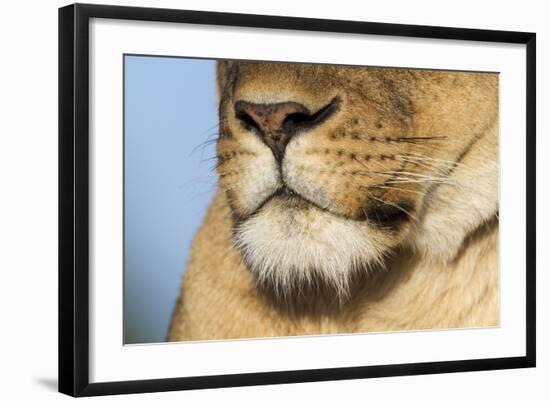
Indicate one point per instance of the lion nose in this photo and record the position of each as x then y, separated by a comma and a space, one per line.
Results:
276, 123
273, 122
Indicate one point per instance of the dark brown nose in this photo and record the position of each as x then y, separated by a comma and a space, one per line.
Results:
276, 123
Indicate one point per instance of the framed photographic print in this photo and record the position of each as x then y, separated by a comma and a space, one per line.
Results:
250, 199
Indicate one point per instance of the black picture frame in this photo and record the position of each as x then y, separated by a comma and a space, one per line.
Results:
74, 197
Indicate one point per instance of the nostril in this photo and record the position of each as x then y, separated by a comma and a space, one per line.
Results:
300, 121
295, 119
248, 122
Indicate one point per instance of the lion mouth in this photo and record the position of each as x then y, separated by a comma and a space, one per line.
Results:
286, 192
388, 216
290, 198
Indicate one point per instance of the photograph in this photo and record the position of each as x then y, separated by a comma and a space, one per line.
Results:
256, 199
278, 199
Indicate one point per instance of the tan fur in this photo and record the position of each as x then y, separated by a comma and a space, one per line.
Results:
427, 139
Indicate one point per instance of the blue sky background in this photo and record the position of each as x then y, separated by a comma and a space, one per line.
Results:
170, 110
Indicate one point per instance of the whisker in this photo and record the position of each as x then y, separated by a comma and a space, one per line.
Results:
398, 189
414, 139
450, 162
210, 139
217, 125
394, 205
414, 156
443, 170
208, 159
404, 172
407, 181
425, 146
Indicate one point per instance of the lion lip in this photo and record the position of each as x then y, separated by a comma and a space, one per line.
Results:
287, 192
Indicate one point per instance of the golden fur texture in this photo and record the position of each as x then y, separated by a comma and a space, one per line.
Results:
381, 216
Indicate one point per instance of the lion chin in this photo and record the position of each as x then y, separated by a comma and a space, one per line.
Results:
289, 244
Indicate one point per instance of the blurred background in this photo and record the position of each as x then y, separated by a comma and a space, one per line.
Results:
169, 147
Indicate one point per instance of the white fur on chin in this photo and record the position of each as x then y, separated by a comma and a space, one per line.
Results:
286, 246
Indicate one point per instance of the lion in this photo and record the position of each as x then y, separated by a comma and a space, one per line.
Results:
350, 200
